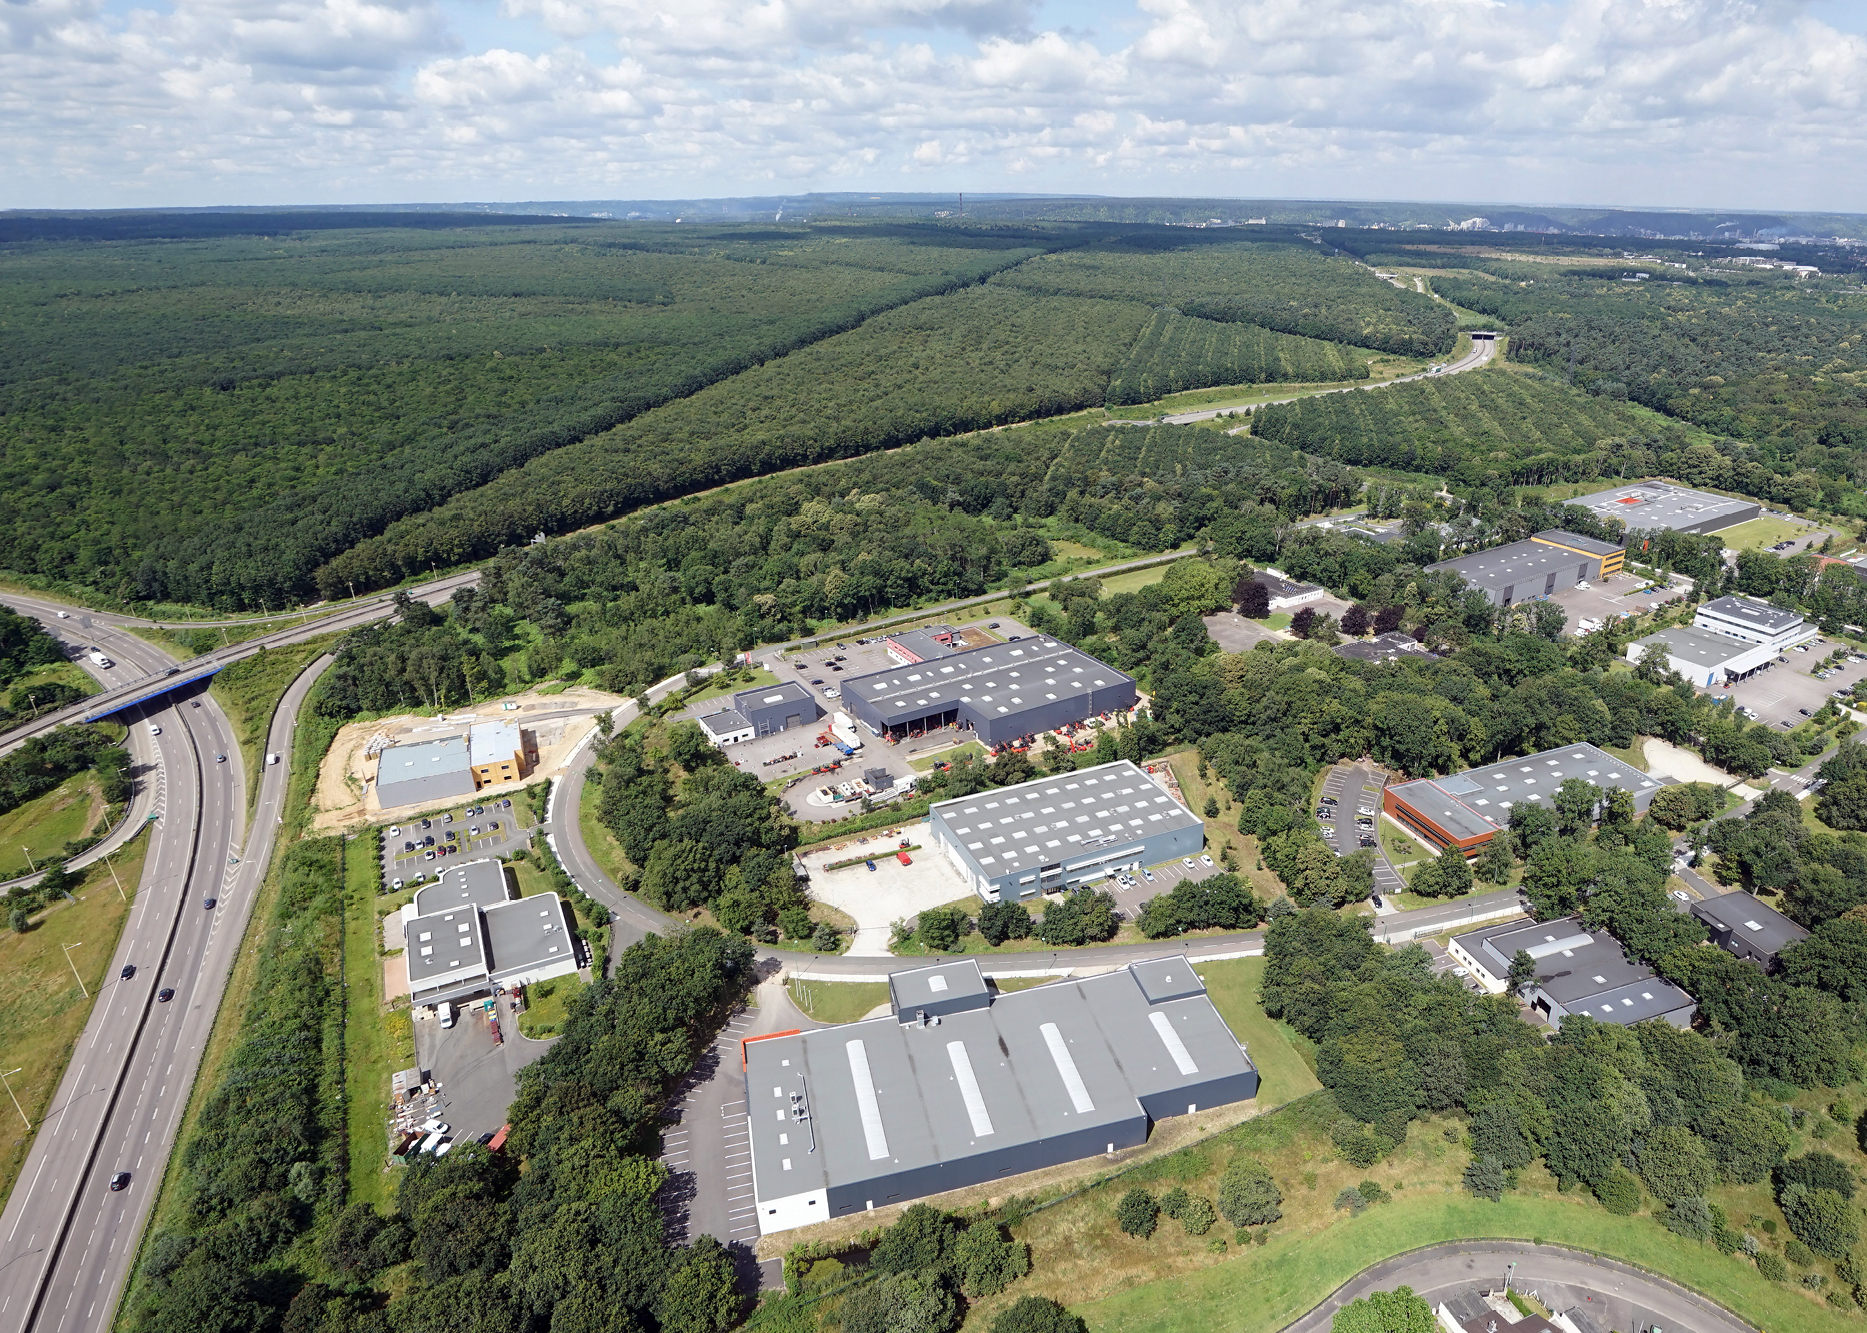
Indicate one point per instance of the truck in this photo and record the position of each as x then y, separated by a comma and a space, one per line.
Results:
97, 657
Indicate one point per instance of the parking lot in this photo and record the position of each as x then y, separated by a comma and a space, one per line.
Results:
1235, 634
1355, 790
1154, 880
1616, 595
416, 848
478, 1076
1779, 694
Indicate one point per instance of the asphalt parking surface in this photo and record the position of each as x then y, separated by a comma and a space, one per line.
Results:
1234, 634
1354, 786
1168, 874
1617, 595
398, 864
478, 1078
1778, 693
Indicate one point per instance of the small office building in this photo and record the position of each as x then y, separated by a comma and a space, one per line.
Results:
1466, 810
775, 708
1649, 506
911, 647
465, 935
1703, 656
426, 773
1742, 925
956, 1087
1578, 971
726, 727
496, 753
1752, 621
1051, 834
1535, 568
1002, 692
1285, 593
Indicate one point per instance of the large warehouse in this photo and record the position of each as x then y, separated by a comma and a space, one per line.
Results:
1535, 568
1002, 692
1058, 832
957, 1087
1652, 505
1466, 810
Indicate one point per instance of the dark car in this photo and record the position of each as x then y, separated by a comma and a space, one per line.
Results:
166, 994
1365, 842
209, 903
506, 804
1805, 712
816, 680
194, 703
427, 823
129, 970
120, 1180
220, 758
408, 846
428, 841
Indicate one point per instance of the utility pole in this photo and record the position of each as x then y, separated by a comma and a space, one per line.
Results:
113, 878
4, 1076
74, 967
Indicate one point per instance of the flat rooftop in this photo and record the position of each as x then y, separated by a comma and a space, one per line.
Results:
1704, 648
493, 742
771, 696
425, 771
1659, 504
1047, 820
1562, 537
935, 641
1502, 566
1746, 917
1278, 586
1479, 800
444, 948
726, 722
1761, 616
886, 1097
1387, 647
1585, 971
991, 680
528, 932
475, 884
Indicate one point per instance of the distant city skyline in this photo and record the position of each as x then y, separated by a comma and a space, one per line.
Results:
1722, 104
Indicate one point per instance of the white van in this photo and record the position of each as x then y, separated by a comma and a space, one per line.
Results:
446, 1012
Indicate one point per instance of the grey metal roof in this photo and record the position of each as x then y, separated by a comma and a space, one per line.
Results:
1504, 566
1489, 792
528, 932
1387, 647
475, 884
1648, 505
493, 742
949, 986
1050, 820
444, 948
424, 773
1760, 616
724, 723
1278, 586
993, 680
885, 1097
1563, 537
1585, 971
747, 702
1763, 927
923, 644
1704, 648
1432, 800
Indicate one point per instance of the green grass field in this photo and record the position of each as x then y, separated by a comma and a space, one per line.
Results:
1381, 365
1134, 580
58, 673
758, 676
1282, 1071
547, 1003
838, 1001
971, 749
1764, 532
377, 1040
37, 831
45, 1009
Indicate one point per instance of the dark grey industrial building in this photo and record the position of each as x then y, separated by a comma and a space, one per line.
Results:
1578, 971
775, 708
465, 936
1743, 926
957, 1087
1534, 568
1002, 692
426, 773
1054, 833
1653, 505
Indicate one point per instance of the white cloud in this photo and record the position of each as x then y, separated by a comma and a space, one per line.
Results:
1732, 102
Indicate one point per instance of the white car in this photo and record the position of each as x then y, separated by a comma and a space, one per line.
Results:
1206, 861
395, 884
446, 1014
395, 830
1187, 861
154, 730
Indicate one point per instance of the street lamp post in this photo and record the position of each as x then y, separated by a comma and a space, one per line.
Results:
74, 967
113, 878
4, 1076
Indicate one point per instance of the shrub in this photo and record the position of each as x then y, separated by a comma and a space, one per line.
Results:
1192, 1211
1822, 1219
1797, 1253
1816, 1171
1247, 1195
942, 927
1138, 1213
825, 939
986, 1261
921, 1239
1351, 1199
1770, 1265
1619, 1192
1036, 1314
999, 922
796, 924
921, 1302
1484, 1176
1690, 1217
1355, 1142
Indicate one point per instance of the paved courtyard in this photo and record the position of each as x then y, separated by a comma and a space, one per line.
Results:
890, 892
1779, 693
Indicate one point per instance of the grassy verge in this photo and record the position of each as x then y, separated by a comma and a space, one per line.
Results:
249, 691
1134, 580
37, 831
1381, 366
45, 1010
56, 673
378, 1039
1283, 1074
547, 1005
838, 1001
602, 844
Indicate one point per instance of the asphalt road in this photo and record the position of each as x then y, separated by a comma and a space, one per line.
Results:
1617, 1295
66, 1239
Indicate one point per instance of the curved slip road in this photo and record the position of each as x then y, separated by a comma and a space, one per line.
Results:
1617, 1295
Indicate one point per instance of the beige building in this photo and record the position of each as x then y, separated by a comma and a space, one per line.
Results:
497, 752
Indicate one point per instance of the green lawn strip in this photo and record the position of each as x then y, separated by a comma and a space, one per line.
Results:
1759, 533
600, 842
742, 679
547, 1005
1263, 1289
249, 692
33, 833
1134, 580
838, 1001
1282, 1074
46, 1012
1634, 754
56, 673
378, 1040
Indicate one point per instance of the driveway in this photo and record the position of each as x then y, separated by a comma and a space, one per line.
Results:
1234, 634
478, 1078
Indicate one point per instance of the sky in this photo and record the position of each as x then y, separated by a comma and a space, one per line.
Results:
1687, 103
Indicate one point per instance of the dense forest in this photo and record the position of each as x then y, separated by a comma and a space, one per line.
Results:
257, 420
